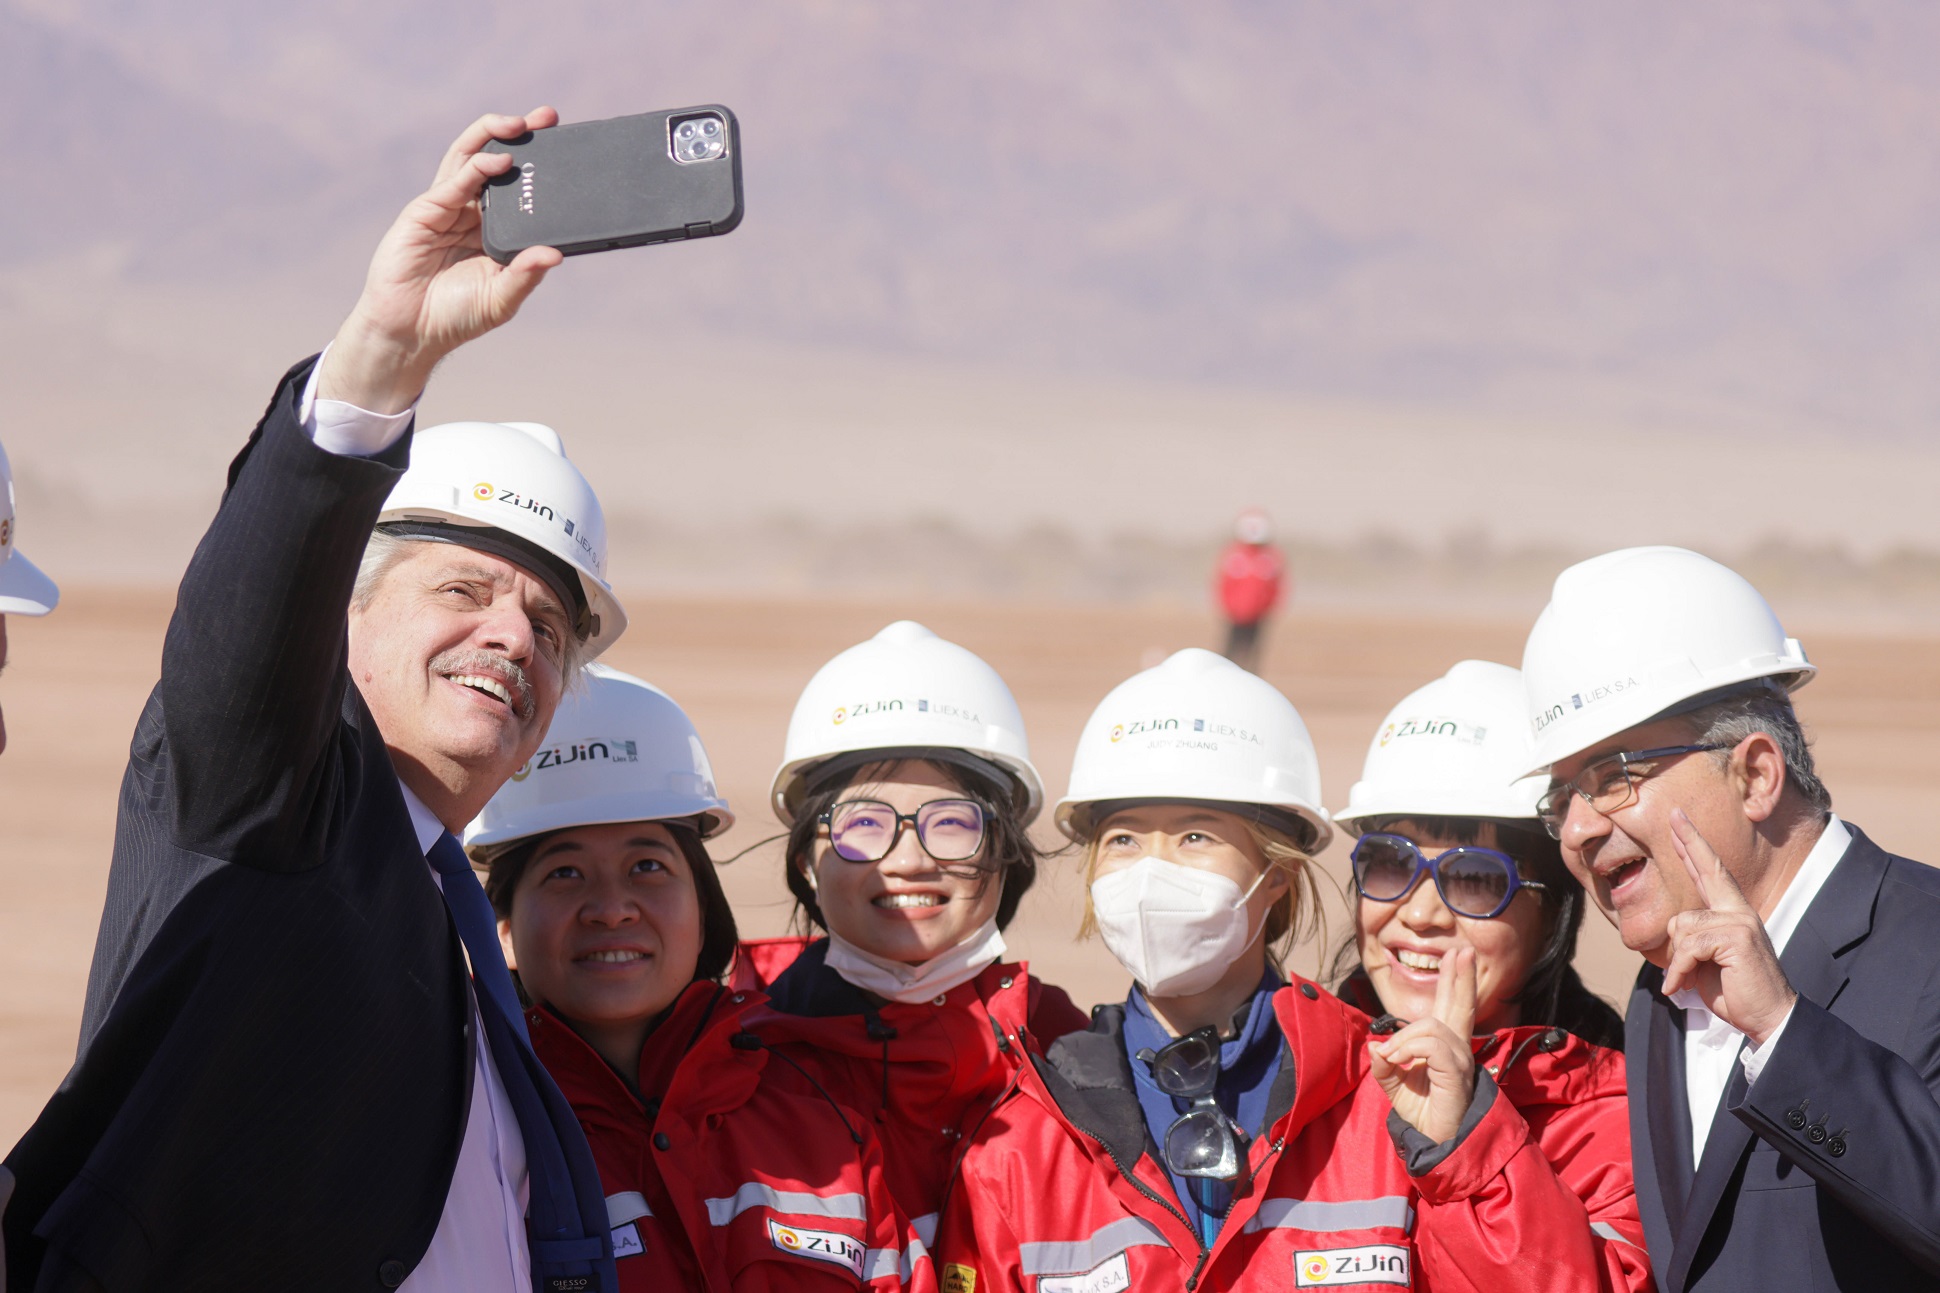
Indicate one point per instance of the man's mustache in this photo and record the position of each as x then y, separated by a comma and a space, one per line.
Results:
490, 664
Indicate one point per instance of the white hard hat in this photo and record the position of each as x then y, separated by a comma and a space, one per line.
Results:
1196, 727
1458, 747
619, 750
23, 589
469, 482
905, 689
1630, 634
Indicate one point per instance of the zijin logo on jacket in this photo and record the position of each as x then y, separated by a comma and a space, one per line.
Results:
1112, 1275
1351, 1267
565, 756
822, 1245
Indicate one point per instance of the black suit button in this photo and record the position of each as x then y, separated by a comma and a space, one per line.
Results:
660, 1140
1816, 1134
391, 1273
1795, 1119
1310, 992
1836, 1146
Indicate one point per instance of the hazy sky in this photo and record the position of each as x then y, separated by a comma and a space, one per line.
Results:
1564, 265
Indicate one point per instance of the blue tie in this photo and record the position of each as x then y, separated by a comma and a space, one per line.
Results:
566, 1229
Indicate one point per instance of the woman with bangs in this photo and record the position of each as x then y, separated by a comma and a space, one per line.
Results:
1232, 1125
908, 791
722, 1169
1450, 855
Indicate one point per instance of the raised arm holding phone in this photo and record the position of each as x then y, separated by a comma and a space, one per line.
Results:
287, 1078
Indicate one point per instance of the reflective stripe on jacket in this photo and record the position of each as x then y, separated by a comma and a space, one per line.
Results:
720, 1177
1062, 1191
926, 1074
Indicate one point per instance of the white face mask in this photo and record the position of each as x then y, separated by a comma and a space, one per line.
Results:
1176, 928
911, 984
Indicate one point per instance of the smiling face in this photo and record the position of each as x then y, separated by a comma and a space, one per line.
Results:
459, 655
1627, 860
606, 929
1403, 943
907, 907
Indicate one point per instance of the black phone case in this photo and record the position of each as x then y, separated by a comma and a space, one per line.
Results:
598, 185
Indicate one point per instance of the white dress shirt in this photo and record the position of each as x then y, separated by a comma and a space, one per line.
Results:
480, 1244
1710, 1044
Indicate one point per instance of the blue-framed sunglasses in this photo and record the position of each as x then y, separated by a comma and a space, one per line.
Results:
1475, 882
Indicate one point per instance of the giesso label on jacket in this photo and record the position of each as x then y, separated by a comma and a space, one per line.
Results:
1333, 1267
822, 1245
1113, 1275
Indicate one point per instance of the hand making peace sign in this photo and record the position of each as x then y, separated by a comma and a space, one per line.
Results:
1428, 1068
1721, 950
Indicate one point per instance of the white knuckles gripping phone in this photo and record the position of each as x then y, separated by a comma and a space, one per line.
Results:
623, 182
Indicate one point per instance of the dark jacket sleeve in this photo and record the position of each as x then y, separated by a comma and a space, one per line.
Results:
1868, 1120
253, 671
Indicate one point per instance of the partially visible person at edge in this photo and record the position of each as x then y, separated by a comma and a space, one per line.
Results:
1783, 1039
1232, 1126
613, 919
1450, 855
287, 1078
1249, 584
24, 590
908, 790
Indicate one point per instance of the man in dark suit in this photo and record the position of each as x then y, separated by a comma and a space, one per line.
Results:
287, 1078
1783, 1041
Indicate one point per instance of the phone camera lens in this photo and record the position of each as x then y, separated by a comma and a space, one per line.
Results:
699, 139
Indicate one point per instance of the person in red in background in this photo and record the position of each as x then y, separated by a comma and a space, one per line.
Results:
723, 1167
1250, 572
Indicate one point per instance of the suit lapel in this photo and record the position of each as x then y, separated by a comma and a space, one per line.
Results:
1660, 1119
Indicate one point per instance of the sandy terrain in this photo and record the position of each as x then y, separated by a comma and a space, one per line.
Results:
77, 681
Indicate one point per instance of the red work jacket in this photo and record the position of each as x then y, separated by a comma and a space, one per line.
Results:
718, 1177
1249, 581
1570, 1095
926, 1074
1062, 1191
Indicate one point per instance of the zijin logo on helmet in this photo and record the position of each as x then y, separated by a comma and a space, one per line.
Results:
483, 491
1407, 727
1587, 697
841, 715
564, 756
514, 498
1117, 732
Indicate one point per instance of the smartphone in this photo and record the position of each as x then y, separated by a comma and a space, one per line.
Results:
623, 182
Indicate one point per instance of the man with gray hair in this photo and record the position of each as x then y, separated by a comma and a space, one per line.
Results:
302, 1062
1783, 1040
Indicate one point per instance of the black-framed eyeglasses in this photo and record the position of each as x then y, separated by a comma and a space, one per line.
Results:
1203, 1141
1607, 785
865, 830
1475, 882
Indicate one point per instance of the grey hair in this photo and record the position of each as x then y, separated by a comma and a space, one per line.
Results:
1764, 709
384, 552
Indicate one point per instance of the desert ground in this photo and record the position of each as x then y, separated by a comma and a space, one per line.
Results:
78, 678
